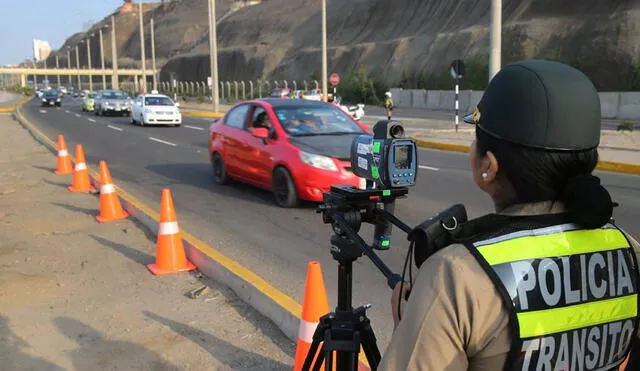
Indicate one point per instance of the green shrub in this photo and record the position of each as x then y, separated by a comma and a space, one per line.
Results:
360, 87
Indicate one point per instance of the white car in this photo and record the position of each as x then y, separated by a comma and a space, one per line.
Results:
155, 109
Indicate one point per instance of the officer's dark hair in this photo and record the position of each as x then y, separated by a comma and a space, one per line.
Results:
545, 175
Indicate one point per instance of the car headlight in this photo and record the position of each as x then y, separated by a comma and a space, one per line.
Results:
58, 99
317, 161
107, 103
44, 99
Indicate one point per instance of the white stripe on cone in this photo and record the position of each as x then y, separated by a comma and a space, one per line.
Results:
168, 228
63, 153
107, 189
81, 166
307, 329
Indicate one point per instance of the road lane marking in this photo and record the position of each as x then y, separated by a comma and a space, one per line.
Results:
67, 111
428, 168
43, 111
78, 115
92, 120
162, 141
115, 128
193, 127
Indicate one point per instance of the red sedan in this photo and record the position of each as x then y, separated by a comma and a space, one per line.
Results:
296, 148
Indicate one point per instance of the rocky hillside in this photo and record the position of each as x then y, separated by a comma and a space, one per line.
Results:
396, 40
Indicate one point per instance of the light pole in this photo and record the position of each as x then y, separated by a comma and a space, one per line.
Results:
324, 51
58, 68
153, 57
78, 67
114, 55
69, 64
35, 77
495, 46
45, 74
213, 56
143, 56
89, 61
104, 77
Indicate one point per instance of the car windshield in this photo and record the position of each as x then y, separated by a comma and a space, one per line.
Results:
51, 93
113, 95
158, 101
92, 95
316, 120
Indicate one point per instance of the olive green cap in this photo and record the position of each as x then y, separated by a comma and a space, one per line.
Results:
541, 104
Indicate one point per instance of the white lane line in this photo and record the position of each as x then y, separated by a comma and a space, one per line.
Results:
67, 111
92, 120
193, 127
115, 128
78, 115
162, 141
43, 111
428, 168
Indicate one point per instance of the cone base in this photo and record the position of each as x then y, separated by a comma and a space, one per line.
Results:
102, 219
81, 190
161, 272
58, 172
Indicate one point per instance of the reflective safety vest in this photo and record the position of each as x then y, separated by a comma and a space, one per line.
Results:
572, 295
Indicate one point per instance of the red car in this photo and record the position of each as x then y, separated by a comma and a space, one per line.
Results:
296, 148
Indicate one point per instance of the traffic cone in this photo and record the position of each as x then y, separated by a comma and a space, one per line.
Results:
110, 208
64, 160
170, 255
81, 181
314, 306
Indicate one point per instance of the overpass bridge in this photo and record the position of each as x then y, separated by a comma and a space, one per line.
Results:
23, 72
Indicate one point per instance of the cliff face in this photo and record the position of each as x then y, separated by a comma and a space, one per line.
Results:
280, 39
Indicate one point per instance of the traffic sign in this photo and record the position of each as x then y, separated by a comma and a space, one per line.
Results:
334, 79
457, 69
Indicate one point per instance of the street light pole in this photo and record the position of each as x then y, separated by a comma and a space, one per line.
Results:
78, 68
143, 56
153, 57
213, 54
104, 77
58, 68
69, 64
89, 62
324, 51
495, 46
114, 55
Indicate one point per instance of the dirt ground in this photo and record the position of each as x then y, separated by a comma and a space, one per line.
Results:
76, 295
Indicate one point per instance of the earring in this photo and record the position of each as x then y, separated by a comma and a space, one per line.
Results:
484, 175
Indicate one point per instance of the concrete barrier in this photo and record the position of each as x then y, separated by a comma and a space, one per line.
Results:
614, 105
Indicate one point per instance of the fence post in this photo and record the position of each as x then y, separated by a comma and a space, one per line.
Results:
251, 89
276, 84
295, 85
317, 85
306, 87
228, 89
244, 96
235, 88
221, 89
286, 85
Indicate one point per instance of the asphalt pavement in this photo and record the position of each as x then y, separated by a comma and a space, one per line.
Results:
245, 224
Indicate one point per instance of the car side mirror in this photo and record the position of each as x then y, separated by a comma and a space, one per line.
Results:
262, 133
177, 104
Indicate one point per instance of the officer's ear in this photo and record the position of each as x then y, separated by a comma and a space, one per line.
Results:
491, 167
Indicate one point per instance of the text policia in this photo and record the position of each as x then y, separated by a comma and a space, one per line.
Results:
568, 282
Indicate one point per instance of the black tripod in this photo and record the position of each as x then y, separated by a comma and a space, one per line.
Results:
346, 329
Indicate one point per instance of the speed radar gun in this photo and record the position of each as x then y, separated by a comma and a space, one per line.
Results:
389, 162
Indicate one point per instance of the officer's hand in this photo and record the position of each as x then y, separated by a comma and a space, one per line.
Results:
406, 289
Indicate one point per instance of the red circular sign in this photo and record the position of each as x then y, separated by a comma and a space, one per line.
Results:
334, 79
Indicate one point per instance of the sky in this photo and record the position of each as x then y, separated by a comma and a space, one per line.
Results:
49, 20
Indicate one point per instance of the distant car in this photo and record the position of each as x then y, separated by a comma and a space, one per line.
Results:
155, 109
280, 93
296, 148
112, 102
51, 97
88, 102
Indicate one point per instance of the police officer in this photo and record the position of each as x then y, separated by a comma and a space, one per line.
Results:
547, 282
388, 104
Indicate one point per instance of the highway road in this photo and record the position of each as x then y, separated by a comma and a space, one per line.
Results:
245, 224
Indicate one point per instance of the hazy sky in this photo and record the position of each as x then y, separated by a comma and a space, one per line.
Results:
49, 20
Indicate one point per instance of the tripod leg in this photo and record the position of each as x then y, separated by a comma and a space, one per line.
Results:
370, 348
321, 358
308, 362
328, 356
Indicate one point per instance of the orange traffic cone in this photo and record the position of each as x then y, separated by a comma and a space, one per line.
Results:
81, 181
170, 255
314, 306
64, 160
110, 208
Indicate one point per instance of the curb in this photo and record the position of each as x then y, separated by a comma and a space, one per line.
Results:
202, 114
616, 167
15, 107
282, 310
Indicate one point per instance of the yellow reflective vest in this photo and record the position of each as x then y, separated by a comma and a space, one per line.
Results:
572, 295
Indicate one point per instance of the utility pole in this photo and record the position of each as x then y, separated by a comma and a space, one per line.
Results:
89, 62
213, 54
58, 68
495, 58
143, 56
324, 52
78, 68
153, 57
114, 55
69, 82
104, 77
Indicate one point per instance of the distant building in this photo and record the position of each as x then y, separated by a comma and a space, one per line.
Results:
41, 50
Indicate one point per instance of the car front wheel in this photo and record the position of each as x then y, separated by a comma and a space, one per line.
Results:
284, 188
219, 169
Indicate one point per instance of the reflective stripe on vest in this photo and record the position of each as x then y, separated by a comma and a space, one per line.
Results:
571, 293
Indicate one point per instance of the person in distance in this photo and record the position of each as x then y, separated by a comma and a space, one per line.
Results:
548, 281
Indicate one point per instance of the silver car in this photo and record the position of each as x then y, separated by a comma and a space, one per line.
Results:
112, 102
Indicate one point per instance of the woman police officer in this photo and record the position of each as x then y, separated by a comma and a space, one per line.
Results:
547, 282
